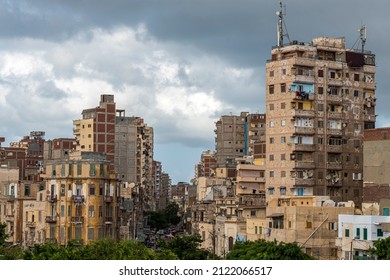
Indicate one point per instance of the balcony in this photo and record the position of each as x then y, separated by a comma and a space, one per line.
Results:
304, 147
304, 164
108, 198
30, 224
334, 148
51, 240
78, 198
51, 219
108, 220
251, 179
334, 98
77, 220
334, 183
303, 113
304, 182
334, 165
9, 218
304, 130
335, 115
77, 242
52, 198
10, 197
369, 118
337, 132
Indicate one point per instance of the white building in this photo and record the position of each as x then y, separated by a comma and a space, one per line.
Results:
357, 233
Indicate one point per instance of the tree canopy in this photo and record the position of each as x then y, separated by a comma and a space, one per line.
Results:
381, 249
266, 250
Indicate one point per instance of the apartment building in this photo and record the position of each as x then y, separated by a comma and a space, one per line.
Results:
238, 136
95, 131
81, 201
320, 97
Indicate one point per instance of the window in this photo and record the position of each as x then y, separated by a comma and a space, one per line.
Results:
92, 170
356, 77
62, 210
271, 140
356, 93
282, 156
365, 234
379, 232
356, 176
91, 211
283, 71
271, 157
357, 232
282, 190
271, 73
282, 88
320, 73
253, 213
271, 124
271, 89
309, 224
79, 169
91, 233
320, 140
62, 189
26, 190
283, 174
320, 107
320, 124
283, 105
101, 169
271, 107
320, 175
346, 232
91, 189
100, 189
272, 174
283, 122
320, 90
271, 191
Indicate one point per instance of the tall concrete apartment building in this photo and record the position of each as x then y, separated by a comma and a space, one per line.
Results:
95, 132
320, 97
238, 136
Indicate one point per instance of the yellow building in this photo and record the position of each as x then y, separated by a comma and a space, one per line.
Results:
81, 199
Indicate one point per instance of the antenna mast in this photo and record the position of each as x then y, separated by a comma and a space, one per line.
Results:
363, 36
281, 24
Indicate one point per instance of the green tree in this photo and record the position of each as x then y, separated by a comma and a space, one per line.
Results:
171, 213
266, 250
187, 248
3, 235
381, 249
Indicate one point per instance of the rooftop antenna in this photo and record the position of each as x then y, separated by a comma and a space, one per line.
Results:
363, 36
281, 24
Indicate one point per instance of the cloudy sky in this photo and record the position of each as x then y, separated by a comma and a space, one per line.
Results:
179, 64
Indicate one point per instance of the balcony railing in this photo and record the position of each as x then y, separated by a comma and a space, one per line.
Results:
52, 198
77, 220
30, 224
305, 164
51, 219
304, 147
10, 197
334, 148
334, 165
108, 198
51, 240
304, 130
108, 220
303, 113
337, 132
304, 182
78, 198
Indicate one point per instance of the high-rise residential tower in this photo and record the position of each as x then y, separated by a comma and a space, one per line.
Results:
320, 96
